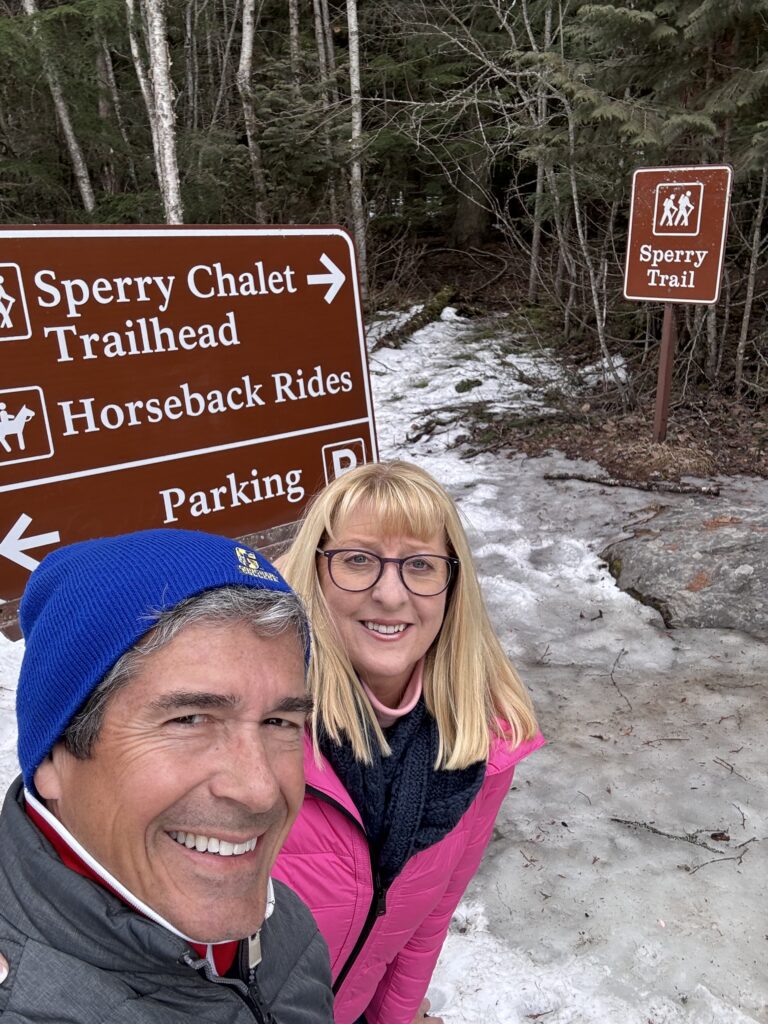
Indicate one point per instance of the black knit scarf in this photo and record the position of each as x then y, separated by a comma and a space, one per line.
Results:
406, 805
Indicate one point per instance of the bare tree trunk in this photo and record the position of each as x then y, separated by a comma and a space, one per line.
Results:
756, 238
470, 221
649, 334
338, 183
6, 134
224, 68
600, 313
356, 164
295, 50
146, 91
209, 28
695, 318
108, 176
565, 256
79, 166
322, 65
249, 113
322, 56
711, 363
559, 274
109, 78
162, 88
533, 277
330, 55
724, 329
190, 62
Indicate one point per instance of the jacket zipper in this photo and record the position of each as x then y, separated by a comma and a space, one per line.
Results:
248, 990
378, 907
254, 992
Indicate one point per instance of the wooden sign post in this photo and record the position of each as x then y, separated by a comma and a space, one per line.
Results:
677, 228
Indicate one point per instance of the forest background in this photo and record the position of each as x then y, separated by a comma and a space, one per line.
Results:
478, 150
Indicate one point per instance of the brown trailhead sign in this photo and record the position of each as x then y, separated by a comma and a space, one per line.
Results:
677, 228
206, 378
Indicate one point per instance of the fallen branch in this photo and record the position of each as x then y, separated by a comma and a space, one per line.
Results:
666, 739
739, 856
687, 837
619, 656
727, 764
708, 490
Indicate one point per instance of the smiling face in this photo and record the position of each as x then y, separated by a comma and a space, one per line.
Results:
195, 779
385, 630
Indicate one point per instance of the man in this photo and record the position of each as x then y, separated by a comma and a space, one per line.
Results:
161, 707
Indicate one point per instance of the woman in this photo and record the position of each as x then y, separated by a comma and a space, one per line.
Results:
420, 720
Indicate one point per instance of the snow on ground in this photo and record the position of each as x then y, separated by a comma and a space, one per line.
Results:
603, 897
575, 918
10, 660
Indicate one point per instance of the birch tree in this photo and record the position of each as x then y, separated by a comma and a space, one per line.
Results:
757, 234
157, 91
79, 166
324, 73
294, 41
541, 115
356, 147
244, 73
162, 89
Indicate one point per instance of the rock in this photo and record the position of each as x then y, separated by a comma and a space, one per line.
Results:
698, 568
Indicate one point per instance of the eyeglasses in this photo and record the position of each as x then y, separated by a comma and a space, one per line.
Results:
355, 570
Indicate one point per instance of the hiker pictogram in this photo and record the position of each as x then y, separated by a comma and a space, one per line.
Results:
678, 208
7, 302
14, 318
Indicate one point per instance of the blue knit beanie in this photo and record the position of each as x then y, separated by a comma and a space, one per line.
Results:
86, 604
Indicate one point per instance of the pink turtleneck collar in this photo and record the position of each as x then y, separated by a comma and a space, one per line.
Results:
388, 716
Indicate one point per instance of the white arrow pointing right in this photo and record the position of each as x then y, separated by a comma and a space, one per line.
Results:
14, 543
335, 278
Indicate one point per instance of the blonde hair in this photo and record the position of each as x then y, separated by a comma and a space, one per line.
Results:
470, 687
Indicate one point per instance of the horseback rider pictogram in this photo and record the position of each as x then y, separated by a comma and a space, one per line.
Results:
14, 425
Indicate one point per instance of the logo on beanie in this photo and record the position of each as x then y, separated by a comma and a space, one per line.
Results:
249, 564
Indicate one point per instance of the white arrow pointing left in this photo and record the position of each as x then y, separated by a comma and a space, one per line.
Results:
14, 544
335, 278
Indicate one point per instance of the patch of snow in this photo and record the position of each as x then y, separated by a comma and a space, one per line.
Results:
482, 978
10, 662
450, 314
601, 372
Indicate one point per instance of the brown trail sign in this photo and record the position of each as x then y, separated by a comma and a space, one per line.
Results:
677, 227
207, 378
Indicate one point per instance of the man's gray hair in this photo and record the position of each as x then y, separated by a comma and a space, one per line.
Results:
269, 613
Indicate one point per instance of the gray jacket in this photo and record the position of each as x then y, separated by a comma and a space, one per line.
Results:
78, 955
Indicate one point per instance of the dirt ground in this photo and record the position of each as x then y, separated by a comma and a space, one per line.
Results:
722, 439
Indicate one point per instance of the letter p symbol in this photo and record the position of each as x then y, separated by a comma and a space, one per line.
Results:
339, 458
